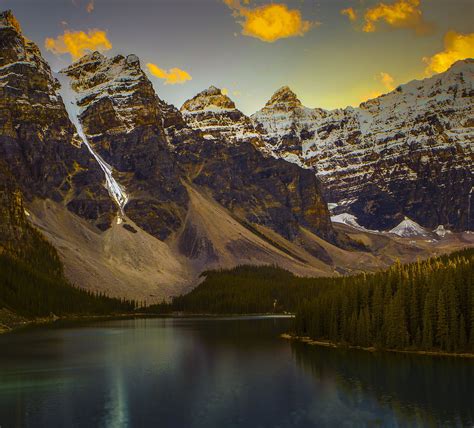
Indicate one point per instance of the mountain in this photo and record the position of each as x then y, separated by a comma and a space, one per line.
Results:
406, 153
36, 138
120, 116
136, 201
285, 123
139, 198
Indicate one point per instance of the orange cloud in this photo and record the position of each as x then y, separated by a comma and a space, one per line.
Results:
78, 43
269, 22
456, 46
174, 76
350, 13
387, 81
400, 14
90, 6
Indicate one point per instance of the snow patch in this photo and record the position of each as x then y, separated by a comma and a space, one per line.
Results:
441, 231
408, 229
349, 220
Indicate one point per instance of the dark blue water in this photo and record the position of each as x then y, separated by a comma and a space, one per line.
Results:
218, 373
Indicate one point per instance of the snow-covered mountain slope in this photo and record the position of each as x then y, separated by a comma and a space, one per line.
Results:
348, 219
409, 152
285, 122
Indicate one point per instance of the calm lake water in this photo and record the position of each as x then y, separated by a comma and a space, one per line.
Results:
218, 373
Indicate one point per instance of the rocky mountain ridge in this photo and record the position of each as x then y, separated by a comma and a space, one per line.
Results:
405, 153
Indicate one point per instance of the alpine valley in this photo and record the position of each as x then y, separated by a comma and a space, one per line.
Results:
138, 198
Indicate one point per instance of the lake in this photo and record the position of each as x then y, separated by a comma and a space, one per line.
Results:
221, 372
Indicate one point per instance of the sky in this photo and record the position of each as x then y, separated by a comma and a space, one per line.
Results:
331, 53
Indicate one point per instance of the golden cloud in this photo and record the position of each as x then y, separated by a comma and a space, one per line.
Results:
174, 76
387, 81
400, 14
350, 13
78, 43
269, 22
457, 46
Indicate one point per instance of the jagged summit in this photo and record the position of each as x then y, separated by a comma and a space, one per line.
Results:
7, 19
215, 114
285, 98
209, 99
118, 64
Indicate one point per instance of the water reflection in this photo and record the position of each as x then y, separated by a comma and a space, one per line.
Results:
420, 391
217, 373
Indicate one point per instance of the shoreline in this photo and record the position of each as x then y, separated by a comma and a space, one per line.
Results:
328, 344
18, 322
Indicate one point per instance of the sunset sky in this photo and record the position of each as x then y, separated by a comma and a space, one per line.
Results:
332, 53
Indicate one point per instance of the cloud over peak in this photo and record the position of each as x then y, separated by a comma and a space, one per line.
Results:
174, 76
78, 43
457, 46
269, 22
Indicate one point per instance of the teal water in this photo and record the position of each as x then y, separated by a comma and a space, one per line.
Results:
218, 373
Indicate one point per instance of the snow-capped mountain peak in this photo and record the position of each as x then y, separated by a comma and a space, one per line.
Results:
284, 99
381, 154
215, 114
211, 99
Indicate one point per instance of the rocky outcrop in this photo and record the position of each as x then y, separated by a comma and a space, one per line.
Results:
37, 140
406, 153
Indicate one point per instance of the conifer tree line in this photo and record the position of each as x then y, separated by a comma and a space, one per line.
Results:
423, 305
29, 291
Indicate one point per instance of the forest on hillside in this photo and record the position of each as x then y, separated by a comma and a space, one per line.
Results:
32, 282
426, 305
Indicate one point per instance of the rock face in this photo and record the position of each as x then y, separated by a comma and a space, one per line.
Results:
121, 117
36, 137
257, 189
408, 152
